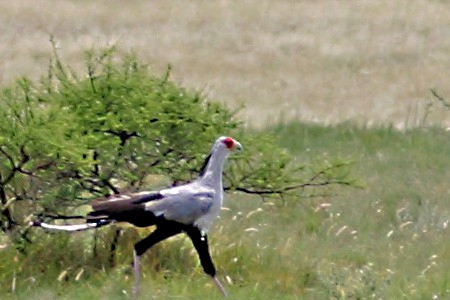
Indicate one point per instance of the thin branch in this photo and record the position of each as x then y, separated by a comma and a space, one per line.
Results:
283, 190
108, 183
7, 204
312, 182
9, 157
158, 160
440, 98
104, 182
123, 135
15, 168
92, 189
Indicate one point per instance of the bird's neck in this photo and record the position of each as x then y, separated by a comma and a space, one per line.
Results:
212, 175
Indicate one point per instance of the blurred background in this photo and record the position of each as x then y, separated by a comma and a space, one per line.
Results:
371, 62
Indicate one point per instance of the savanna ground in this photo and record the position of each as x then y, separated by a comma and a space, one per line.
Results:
370, 63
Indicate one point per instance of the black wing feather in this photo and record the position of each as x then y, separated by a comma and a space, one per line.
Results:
205, 164
125, 208
122, 203
148, 198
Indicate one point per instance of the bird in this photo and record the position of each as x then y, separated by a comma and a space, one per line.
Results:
189, 208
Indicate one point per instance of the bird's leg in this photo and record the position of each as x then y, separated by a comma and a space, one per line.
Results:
160, 233
200, 242
137, 273
220, 286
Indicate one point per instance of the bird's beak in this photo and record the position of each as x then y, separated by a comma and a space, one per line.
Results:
238, 146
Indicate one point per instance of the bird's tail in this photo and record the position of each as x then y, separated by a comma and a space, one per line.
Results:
73, 227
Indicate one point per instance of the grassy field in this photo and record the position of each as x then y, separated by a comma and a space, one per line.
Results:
388, 240
288, 62
321, 61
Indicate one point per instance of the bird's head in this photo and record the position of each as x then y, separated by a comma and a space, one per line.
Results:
228, 143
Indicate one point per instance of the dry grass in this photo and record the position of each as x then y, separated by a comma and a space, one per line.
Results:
326, 61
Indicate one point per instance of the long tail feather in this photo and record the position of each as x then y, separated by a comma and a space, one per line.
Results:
76, 227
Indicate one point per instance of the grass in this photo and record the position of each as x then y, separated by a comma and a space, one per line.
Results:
388, 236
385, 241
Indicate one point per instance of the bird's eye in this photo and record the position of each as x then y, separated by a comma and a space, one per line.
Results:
229, 142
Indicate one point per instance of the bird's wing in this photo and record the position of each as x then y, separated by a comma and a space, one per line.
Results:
123, 202
184, 204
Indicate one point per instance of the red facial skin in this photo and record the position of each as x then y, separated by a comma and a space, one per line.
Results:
229, 142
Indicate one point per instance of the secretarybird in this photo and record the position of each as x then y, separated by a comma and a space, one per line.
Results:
189, 208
